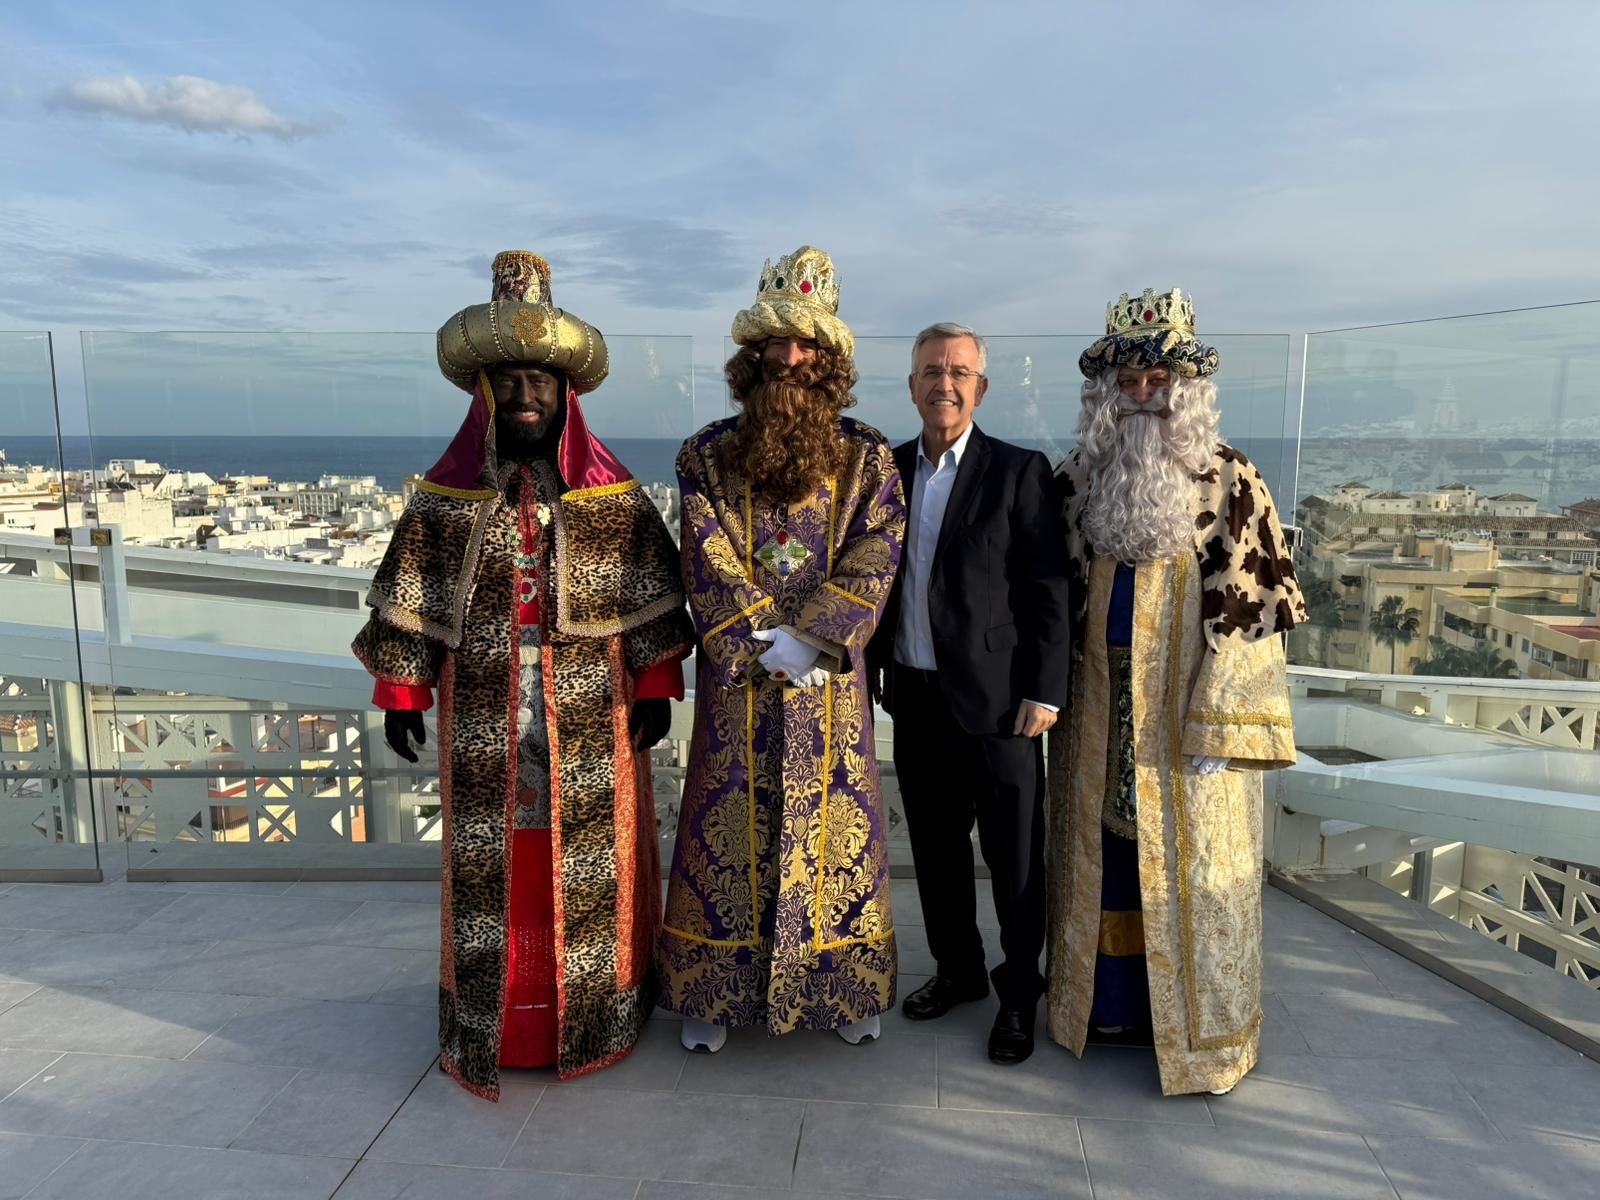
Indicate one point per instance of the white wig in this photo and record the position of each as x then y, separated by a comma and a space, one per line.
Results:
1142, 467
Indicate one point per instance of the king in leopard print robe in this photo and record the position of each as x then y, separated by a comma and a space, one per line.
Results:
445, 615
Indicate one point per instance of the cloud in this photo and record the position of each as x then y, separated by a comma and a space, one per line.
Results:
185, 102
657, 262
243, 171
990, 219
304, 255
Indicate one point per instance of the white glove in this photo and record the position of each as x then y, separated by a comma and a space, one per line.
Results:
815, 677
1205, 764
788, 658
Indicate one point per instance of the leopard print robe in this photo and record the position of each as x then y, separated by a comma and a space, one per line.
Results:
444, 614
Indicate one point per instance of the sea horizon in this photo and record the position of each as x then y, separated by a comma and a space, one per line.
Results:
1322, 462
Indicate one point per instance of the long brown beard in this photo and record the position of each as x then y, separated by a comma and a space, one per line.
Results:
787, 441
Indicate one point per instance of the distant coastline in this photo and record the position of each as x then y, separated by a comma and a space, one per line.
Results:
1554, 471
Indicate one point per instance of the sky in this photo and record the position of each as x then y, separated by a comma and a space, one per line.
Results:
354, 167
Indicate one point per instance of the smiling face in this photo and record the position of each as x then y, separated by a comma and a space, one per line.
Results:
788, 352
946, 386
1145, 390
527, 402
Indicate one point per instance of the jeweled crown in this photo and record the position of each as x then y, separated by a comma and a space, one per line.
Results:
1152, 312
806, 276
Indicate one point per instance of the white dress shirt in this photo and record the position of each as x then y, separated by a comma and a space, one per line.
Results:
930, 496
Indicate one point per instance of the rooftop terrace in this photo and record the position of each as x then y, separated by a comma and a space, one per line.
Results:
277, 1040
235, 1021
1531, 606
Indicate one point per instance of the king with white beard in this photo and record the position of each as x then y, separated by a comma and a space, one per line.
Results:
1182, 584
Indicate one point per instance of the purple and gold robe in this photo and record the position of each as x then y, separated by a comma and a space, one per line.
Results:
778, 903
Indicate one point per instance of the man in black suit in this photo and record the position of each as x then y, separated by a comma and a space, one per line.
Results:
972, 654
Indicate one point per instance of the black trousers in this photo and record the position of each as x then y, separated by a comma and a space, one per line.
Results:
948, 779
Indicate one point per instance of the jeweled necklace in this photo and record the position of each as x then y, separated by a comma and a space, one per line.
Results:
531, 517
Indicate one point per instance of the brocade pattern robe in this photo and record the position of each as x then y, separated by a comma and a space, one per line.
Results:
778, 909
1208, 676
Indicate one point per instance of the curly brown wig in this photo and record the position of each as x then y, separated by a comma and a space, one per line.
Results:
787, 441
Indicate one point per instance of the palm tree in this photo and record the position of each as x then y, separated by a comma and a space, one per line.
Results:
1481, 662
1323, 604
1486, 662
1327, 615
1395, 625
1442, 658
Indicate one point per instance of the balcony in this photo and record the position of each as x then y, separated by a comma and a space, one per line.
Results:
260, 1039
272, 1025
226, 985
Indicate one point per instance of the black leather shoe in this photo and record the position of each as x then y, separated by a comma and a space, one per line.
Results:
939, 995
1011, 1039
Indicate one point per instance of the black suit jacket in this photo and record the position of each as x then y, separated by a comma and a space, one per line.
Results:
997, 592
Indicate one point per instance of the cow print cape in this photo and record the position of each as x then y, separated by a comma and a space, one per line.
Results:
1249, 589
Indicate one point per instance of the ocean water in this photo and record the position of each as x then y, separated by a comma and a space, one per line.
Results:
1555, 472
391, 459
296, 459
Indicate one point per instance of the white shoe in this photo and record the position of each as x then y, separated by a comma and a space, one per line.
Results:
702, 1036
1112, 1029
1222, 1091
861, 1031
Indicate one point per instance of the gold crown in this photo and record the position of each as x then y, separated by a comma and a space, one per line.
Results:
806, 276
1151, 312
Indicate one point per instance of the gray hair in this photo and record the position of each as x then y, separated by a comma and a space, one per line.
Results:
949, 329
1142, 493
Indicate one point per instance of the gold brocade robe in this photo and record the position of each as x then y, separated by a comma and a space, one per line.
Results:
1196, 691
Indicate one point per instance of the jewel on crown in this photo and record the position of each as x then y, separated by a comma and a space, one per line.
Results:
1168, 310
807, 275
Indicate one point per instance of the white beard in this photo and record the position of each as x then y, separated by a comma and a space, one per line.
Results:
1142, 499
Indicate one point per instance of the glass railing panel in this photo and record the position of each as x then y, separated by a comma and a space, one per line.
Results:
1449, 498
1035, 386
250, 483
48, 822
1450, 494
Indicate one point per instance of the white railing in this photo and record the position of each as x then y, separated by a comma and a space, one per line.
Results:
1523, 893
276, 743
1535, 905
1545, 712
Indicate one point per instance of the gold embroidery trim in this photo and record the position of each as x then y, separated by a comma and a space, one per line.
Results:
833, 587
750, 787
705, 941
528, 325
1180, 819
749, 561
833, 516
605, 489
439, 489
881, 936
1210, 716
822, 833
735, 619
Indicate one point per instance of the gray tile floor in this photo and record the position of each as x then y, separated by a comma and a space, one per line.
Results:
271, 1041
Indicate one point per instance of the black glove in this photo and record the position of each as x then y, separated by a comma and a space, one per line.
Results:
878, 689
648, 722
397, 723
